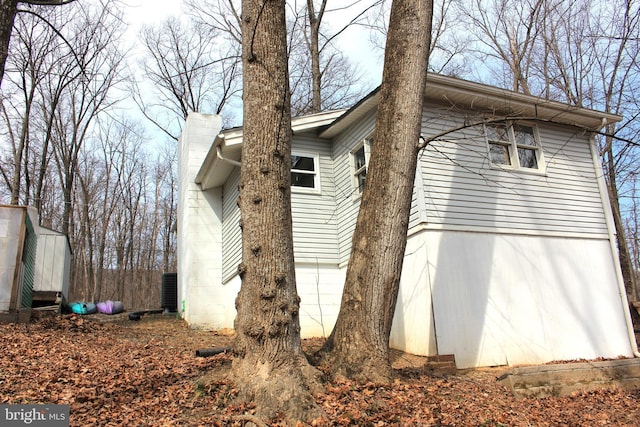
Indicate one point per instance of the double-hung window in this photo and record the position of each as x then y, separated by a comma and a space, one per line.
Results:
514, 145
304, 171
360, 162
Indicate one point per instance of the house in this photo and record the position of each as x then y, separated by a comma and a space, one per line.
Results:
34, 263
511, 256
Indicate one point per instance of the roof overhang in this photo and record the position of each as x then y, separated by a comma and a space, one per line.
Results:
488, 102
226, 148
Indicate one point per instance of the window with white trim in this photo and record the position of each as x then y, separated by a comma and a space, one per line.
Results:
360, 163
514, 145
304, 171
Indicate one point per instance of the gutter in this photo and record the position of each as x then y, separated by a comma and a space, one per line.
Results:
215, 152
608, 215
216, 145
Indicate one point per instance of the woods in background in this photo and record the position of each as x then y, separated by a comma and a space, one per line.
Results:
89, 123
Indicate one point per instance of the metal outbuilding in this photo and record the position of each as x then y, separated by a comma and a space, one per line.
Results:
18, 245
33, 261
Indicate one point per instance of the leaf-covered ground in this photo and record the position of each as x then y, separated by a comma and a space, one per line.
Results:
145, 373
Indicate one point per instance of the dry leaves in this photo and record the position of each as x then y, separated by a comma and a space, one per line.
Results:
146, 374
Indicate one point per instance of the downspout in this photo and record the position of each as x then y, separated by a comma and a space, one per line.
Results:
216, 144
608, 216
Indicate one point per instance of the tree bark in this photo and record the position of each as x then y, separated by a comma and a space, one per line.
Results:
314, 48
8, 10
269, 363
359, 344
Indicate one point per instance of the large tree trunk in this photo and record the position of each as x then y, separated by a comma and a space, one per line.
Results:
8, 10
359, 344
269, 362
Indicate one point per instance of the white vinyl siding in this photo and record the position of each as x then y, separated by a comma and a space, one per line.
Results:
463, 191
231, 232
347, 196
347, 202
314, 214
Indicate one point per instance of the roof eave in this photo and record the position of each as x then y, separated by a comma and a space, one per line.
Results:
214, 171
495, 102
489, 102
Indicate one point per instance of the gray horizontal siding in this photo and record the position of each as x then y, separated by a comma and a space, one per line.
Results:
347, 201
456, 187
315, 233
314, 214
231, 233
463, 190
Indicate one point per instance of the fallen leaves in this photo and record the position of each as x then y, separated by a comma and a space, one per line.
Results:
146, 374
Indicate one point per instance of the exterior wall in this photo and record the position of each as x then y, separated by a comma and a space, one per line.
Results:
53, 262
464, 192
496, 259
320, 291
313, 212
413, 328
512, 255
13, 235
199, 225
231, 233
347, 200
510, 299
11, 241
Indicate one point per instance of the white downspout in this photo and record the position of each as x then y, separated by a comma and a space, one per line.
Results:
608, 216
216, 144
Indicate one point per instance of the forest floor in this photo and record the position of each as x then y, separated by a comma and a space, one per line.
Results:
145, 373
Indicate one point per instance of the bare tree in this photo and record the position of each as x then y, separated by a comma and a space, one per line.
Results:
30, 68
507, 31
322, 78
185, 69
450, 37
81, 164
581, 52
359, 343
8, 11
95, 34
590, 59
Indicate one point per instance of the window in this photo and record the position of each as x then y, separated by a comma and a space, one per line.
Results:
360, 161
514, 145
304, 171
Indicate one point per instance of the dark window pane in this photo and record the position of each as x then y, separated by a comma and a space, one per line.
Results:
524, 135
362, 178
527, 158
302, 163
302, 180
358, 158
497, 133
499, 154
